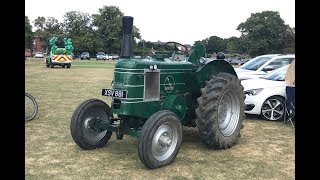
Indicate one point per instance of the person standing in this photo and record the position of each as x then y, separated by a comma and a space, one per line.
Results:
290, 86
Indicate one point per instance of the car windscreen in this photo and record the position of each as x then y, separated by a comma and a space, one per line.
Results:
255, 63
100, 53
278, 74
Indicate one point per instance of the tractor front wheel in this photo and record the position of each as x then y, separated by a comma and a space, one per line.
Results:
84, 124
160, 139
221, 111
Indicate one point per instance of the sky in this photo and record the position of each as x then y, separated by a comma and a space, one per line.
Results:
172, 20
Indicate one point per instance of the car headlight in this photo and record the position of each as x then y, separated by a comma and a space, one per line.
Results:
253, 92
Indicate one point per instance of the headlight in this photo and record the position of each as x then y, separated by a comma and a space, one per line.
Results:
112, 83
253, 92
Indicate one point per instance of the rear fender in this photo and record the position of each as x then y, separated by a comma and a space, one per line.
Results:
213, 67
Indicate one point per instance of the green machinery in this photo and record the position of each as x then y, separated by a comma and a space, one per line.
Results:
153, 98
59, 56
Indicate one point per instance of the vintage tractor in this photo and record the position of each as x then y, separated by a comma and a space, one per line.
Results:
153, 98
59, 56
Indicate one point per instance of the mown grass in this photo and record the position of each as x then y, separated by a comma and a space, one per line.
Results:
266, 149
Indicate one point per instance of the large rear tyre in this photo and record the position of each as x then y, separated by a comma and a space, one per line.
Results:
84, 124
160, 139
221, 111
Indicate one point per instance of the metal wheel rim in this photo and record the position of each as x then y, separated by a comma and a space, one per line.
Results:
272, 109
89, 125
164, 141
228, 112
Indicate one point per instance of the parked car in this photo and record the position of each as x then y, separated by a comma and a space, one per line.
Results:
261, 65
113, 56
243, 61
101, 56
233, 61
85, 55
27, 54
38, 55
266, 96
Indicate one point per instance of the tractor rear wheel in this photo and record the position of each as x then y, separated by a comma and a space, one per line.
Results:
160, 139
221, 111
84, 124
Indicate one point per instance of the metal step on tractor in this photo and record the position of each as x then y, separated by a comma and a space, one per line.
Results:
153, 98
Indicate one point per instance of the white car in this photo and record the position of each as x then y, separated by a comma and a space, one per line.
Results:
261, 65
266, 96
39, 55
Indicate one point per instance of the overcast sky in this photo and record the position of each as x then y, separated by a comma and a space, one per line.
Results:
172, 20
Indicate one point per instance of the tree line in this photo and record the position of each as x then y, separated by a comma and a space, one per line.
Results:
262, 33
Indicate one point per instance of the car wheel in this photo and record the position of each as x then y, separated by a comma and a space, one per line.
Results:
273, 109
81, 58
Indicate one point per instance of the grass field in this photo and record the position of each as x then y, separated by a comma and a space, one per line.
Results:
266, 149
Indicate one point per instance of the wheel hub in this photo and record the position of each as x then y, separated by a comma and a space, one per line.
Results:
273, 109
228, 113
164, 142
91, 131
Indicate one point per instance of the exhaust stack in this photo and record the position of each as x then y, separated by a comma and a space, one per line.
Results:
126, 47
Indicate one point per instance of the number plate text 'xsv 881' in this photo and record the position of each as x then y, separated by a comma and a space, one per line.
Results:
114, 93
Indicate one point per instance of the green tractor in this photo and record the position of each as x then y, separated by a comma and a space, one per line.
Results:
153, 98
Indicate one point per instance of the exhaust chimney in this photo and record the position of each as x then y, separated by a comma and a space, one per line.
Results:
126, 47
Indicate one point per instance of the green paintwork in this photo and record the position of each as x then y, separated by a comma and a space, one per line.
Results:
129, 75
175, 104
204, 72
196, 53
180, 84
160, 57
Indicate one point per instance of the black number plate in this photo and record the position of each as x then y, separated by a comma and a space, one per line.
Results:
114, 93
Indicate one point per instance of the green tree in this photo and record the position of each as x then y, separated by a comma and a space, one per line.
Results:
216, 44
39, 22
108, 26
77, 26
289, 41
28, 34
46, 29
263, 32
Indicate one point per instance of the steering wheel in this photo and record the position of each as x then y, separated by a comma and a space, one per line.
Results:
176, 47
